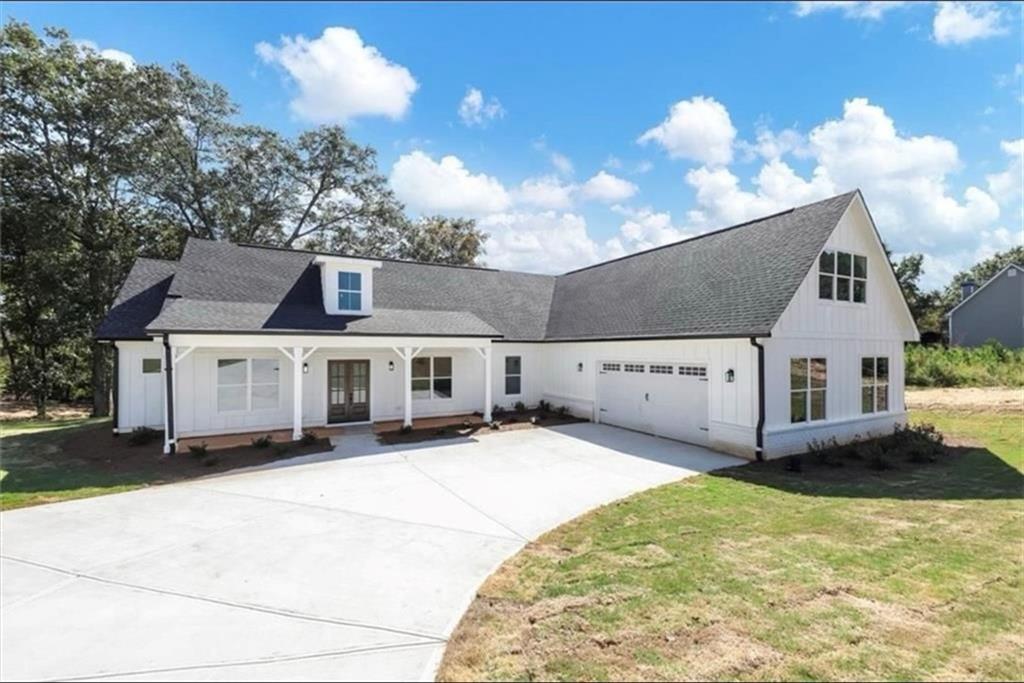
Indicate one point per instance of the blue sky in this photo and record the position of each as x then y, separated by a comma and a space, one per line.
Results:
602, 129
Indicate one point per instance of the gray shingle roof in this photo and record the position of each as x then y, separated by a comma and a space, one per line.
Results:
735, 281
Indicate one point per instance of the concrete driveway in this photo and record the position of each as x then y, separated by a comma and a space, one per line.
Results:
350, 565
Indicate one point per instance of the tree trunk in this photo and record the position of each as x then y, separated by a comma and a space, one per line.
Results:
100, 380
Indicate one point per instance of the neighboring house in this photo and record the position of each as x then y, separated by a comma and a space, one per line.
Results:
993, 311
753, 340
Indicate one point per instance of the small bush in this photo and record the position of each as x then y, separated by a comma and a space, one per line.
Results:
262, 441
140, 436
544, 406
824, 452
563, 411
520, 407
198, 451
920, 443
497, 410
308, 439
495, 425
875, 455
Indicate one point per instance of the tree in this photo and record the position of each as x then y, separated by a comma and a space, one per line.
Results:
436, 239
74, 126
923, 305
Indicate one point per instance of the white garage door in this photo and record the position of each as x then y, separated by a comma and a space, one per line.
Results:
666, 399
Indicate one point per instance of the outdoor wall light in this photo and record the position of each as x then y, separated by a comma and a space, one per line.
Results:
391, 366
579, 367
730, 375
305, 368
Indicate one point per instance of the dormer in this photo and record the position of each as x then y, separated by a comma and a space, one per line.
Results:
347, 284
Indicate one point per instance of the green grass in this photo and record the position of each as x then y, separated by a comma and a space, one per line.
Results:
757, 573
990, 365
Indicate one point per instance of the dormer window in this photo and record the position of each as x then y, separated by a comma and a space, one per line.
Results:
350, 291
843, 276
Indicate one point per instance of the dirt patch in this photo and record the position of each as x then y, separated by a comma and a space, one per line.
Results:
967, 399
11, 409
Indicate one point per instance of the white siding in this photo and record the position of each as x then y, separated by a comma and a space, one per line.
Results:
732, 406
135, 391
842, 332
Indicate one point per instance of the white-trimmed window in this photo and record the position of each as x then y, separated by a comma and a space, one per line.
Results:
350, 291
248, 384
808, 383
874, 384
432, 377
150, 366
513, 375
843, 276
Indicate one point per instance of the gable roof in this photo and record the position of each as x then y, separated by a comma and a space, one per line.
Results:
732, 282
139, 300
986, 284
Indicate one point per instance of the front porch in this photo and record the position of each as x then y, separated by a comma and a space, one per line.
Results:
226, 389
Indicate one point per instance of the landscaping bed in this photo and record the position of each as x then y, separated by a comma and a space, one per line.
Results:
47, 461
840, 570
474, 425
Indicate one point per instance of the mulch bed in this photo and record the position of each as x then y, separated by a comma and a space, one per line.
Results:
475, 426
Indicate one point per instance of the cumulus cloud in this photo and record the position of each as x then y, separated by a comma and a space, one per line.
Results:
643, 228
474, 110
957, 23
445, 186
546, 192
698, 129
771, 144
561, 163
607, 188
340, 78
539, 242
113, 55
1007, 187
851, 9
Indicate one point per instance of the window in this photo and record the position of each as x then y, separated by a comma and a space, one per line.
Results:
611, 367
513, 375
661, 369
432, 377
693, 370
843, 276
350, 291
632, 367
150, 365
874, 385
807, 386
247, 384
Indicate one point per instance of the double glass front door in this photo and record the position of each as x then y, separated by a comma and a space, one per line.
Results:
348, 390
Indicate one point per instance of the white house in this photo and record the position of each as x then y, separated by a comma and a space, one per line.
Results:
753, 339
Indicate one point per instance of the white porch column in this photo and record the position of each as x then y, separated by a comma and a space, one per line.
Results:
488, 402
407, 356
297, 362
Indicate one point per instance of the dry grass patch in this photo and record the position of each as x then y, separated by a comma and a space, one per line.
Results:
756, 573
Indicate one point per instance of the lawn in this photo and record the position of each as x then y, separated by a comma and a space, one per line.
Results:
45, 461
835, 572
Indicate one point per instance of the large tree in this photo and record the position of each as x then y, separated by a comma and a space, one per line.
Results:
437, 239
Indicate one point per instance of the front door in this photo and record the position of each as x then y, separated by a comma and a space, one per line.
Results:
348, 390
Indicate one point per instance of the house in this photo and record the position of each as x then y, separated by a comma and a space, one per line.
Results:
993, 311
753, 340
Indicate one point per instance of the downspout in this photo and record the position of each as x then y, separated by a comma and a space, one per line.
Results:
115, 383
169, 379
760, 398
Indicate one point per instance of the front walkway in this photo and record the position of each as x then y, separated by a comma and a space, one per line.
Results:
350, 565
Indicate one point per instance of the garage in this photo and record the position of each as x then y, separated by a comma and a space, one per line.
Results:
664, 399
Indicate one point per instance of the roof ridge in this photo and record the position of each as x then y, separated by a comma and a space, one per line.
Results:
710, 233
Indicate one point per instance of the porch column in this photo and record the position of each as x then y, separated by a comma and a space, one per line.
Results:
297, 362
488, 402
407, 356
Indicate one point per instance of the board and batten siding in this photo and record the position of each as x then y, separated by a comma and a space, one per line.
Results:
732, 406
139, 397
843, 333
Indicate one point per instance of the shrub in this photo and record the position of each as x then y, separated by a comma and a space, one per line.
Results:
562, 411
990, 364
520, 407
308, 439
198, 451
824, 452
262, 441
919, 443
545, 406
497, 410
875, 455
140, 436
495, 425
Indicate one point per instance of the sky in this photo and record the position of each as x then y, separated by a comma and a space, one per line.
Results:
578, 132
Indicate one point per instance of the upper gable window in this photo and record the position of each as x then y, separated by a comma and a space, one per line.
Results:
843, 276
350, 291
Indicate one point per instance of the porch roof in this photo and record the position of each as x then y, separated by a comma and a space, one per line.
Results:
197, 316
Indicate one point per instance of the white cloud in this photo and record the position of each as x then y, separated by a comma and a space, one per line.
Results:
642, 167
546, 192
539, 242
612, 162
957, 23
642, 229
698, 129
852, 9
1007, 187
562, 163
607, 188
474, 110
775, 145
445, 186
113, 55
340, 78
